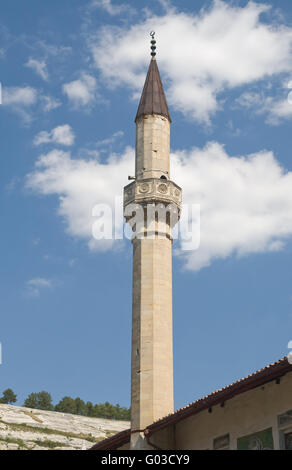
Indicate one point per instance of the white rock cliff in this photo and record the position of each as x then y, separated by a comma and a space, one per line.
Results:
25, 428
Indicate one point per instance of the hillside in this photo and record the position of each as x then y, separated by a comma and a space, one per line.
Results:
25, 428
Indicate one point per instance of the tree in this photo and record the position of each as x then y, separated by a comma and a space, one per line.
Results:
66, 405
31, 401
89, 409
8, 396
80, 407
41, 401
45, 401
125, 414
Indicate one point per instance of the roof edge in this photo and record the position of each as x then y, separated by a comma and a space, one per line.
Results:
260, 377
112, 442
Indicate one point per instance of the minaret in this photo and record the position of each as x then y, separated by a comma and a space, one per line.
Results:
154, 197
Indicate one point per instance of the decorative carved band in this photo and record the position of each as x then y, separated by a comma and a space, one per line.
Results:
153, 190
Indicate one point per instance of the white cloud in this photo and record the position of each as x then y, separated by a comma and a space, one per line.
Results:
39, 66
200, 55
246, 202
167, 6
20, 100
275, 109
35, 285
81, 92
62, 135
280, 109
54, 50
80, 185
110, 8
19, 96
50, 103
110, 140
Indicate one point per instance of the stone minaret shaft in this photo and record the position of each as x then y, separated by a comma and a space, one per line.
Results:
152, 354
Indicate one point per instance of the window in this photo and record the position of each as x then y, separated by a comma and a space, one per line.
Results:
285, 430
288, 441
262, 440
221, 443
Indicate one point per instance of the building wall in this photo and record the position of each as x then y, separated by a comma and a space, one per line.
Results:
244, 415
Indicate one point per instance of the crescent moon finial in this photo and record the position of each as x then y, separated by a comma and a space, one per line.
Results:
153, 44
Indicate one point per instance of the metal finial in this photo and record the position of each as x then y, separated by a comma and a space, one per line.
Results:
153, 44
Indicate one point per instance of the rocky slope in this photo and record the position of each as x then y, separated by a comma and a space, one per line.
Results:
25, 428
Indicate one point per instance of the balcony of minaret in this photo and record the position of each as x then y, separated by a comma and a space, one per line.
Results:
159, 201
153, 190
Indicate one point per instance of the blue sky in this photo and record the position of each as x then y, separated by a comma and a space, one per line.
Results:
71, 74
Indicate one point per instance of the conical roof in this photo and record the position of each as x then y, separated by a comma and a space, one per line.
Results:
153, 99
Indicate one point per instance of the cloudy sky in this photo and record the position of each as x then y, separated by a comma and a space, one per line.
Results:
72, 73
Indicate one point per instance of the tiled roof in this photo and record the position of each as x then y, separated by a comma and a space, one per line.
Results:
258, 378
271, 372
113, 442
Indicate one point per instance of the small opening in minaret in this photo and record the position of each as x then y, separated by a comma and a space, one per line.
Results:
163, 177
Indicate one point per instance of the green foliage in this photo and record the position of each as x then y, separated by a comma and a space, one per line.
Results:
43, 401
9, 440
40, 401
35, 429
49, 444
102, 410
31, 401
89, 409
8, 396
80, 407
66, 405
70, 405
108, 411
